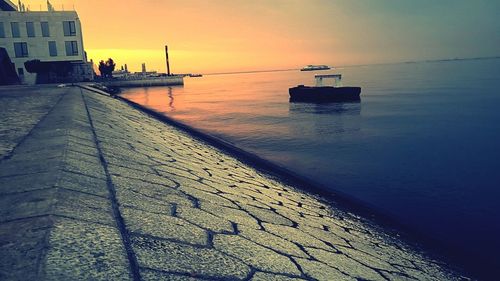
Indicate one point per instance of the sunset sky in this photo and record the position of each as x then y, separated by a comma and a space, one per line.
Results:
236, 35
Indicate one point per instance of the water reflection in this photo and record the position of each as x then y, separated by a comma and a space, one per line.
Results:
346, 108
171, 97
324, 120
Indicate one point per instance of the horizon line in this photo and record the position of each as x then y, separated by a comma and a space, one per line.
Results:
353, 65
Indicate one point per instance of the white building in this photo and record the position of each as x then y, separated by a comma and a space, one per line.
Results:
48, 36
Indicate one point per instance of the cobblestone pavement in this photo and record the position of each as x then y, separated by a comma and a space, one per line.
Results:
101, 191
20, 110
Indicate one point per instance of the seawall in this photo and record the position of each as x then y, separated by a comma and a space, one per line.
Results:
91, 188
146, 82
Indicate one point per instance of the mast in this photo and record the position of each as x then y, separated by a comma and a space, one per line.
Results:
168, 63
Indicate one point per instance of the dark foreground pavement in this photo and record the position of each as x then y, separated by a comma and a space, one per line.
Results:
92, 189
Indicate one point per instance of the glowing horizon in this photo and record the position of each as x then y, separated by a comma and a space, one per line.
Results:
225, 36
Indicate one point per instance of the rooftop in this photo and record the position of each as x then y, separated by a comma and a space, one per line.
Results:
6, 5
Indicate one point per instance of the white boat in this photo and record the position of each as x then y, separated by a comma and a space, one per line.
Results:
315, 67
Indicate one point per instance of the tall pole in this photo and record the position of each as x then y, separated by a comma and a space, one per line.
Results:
168, 63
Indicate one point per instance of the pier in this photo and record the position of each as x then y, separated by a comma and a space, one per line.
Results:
145, 81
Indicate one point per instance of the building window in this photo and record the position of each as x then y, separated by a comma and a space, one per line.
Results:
69, 28
52, 49
20, 71
45, 29
30, 29
21, 49
15, 29
71, 48
2, 31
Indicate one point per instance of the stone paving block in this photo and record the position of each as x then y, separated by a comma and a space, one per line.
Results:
261, 276
217, 182
302, 219
274, 242
153, 275
168, 171
13, 167
186, 259
83, 206
326, 236
91, 169
153, 152
399, 277
149, 188
123, 163
204, 219
234, 215
24, 205
321, 271
295, 235
133, 199
49, 147
20, 111
199, 171
132, 172
345, 264
48, 133
146, 177
77, 158
122, 152
82, 183
25, 183
254, 254
287, 207
192, 184
376, 261
207, 197
244, 200
85, 251
390, 254
81, 135
334, 226
55, 201
154, 191
22, 244
163, 226
422, 275
266, 215
42, 155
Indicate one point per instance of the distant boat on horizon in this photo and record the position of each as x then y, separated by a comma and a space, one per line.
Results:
312, 67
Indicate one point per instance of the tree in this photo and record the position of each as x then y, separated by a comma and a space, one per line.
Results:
107, 68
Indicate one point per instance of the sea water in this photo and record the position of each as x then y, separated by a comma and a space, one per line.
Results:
422, 146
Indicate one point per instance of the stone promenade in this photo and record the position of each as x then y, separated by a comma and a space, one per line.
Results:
92, 189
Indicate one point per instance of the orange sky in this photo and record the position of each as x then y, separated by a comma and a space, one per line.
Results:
235, 35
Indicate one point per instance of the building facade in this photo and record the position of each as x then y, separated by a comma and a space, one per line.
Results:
48, 36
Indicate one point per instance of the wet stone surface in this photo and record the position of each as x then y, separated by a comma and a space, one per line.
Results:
128, 197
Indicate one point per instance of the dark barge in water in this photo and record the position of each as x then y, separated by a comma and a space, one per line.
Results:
321, 93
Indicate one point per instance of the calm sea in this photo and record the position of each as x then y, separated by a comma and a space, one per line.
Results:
422, 146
